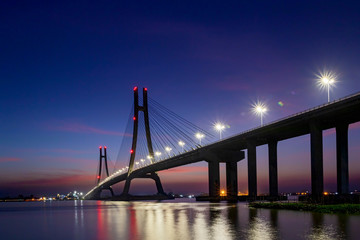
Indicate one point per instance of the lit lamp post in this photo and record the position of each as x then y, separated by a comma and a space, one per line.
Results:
142, 161
260, 109
199, 136
327, 82
219, 127
326, 79
158, 154
181, 143
168, 150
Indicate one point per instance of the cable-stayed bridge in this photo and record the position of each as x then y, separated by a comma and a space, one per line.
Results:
162, 140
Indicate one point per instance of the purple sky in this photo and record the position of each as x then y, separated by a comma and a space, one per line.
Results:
67, 71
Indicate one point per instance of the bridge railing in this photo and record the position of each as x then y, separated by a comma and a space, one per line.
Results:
291, 116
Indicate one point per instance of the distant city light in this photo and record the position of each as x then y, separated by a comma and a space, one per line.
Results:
260, 109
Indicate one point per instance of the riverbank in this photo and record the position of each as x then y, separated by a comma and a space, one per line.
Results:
336, 208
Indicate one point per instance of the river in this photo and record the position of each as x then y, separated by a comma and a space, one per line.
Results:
178, 219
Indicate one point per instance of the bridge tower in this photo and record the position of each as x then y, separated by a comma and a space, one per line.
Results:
145, 110
103, 157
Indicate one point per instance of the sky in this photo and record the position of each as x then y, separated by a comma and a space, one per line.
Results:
67, 70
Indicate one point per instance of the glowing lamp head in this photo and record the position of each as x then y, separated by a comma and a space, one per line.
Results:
259, 108
199, 135
135, 88
219, 126
181, 143
168, 149
157, 153
326, 78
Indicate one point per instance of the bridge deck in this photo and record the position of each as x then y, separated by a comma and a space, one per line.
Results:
342, 111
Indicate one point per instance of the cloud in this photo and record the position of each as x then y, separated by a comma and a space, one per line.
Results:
82, 128
9, 159
51, 180
56, 150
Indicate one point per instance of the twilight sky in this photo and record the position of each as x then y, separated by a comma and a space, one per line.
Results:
67, 70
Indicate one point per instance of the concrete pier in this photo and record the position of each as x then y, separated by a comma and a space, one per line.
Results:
342, 158
252, 176
317, 172
214, 178
231, 179
273, 171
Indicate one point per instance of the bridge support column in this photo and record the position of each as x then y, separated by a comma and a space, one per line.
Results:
126, 187
231, 179
252, 178
342, 161
273, 172
152, 176
317, 173
214, 179
159, 187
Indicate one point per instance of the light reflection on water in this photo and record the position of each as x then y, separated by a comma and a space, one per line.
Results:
167, 220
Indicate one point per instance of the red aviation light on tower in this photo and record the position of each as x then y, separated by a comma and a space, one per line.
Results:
100, 147
131, 151
134, 118
98, 177
105, 147
135, 88
145, 89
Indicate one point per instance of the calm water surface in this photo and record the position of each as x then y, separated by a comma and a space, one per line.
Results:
167, 220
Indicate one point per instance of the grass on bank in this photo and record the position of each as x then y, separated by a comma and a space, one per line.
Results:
338, 208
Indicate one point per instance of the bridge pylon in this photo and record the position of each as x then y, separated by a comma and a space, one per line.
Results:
145, 110
103, 158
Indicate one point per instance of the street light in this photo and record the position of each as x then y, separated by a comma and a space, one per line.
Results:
168, 149
158, 154
326, 79
181, 143
199, 136
142, 161
219, 127
260, 109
